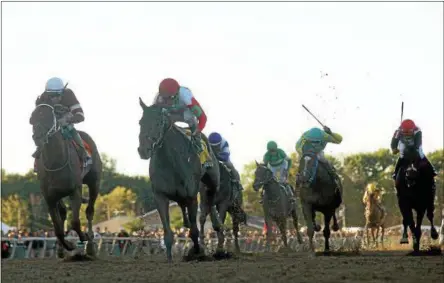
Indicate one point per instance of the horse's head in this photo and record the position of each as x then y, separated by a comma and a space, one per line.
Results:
153, 125
262, 176
44, 122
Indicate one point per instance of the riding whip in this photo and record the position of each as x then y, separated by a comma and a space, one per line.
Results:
402, 110
313, 115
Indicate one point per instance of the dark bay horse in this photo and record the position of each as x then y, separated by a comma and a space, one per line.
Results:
414, 190
176, 172
61, 174
319, 192
277, 205
228, 199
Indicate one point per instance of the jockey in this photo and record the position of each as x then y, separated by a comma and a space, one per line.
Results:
57, 93
221, 149
180, 98
314, 142
277, 160
407, 140
372, 188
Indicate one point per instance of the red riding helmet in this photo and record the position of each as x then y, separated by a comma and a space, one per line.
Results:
168, 87
408, 127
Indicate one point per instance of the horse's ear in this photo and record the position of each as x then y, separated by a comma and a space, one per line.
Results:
142, 104
257, 164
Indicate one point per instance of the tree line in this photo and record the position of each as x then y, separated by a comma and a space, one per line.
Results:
23, 206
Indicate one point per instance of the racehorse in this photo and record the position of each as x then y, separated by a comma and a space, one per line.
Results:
414, 190
176, 172
374, 217
228, 199
277, 205
61, 173
319, 192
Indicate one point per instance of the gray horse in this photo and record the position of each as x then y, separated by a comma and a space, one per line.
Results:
228, 199
59, 169
176, 172
319, 192
277, 205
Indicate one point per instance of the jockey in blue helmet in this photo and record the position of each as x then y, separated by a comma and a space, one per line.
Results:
221, 149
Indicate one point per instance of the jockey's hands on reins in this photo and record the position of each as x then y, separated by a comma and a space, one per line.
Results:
66, 119
395, 151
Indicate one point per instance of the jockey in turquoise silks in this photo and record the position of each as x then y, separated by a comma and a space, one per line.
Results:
314, 141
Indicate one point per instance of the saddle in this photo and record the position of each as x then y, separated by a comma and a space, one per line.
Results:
204, 154
85, 144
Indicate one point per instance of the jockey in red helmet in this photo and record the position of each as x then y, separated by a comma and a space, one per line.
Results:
407, 140
180, 99
176, 96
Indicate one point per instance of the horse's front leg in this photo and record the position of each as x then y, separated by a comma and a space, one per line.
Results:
220, 234
294, 215
268, 223
194, 231
163, 205
186, 220
236, 222
202, 219
282, 224
308, 216
327, 219
76, 202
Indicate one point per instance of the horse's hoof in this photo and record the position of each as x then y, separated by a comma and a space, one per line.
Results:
317, 227
434, 234
404, 241
335, 227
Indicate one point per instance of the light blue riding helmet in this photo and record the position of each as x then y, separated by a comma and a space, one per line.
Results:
55, 85
315, 135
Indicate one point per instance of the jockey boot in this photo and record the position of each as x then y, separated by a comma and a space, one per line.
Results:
333, 174
290, 192
261, 201
430, 167
397, 167
86, 158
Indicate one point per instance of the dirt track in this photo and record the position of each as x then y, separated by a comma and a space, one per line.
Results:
295, 267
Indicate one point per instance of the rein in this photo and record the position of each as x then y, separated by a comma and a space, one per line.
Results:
267, 181
55, 128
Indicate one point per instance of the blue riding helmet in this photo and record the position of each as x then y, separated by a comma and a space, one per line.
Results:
315, 135
214, 138
54, 85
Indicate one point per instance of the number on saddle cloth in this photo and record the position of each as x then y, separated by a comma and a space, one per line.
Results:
202, 150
